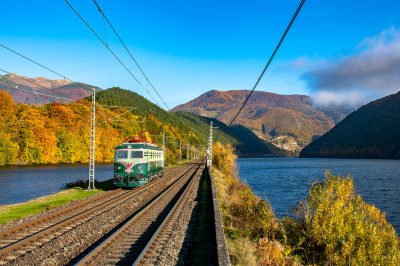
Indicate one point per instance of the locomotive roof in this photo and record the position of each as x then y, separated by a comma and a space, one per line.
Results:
139, 145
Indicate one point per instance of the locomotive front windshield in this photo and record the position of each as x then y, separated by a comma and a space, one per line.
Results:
121, 154
136, 154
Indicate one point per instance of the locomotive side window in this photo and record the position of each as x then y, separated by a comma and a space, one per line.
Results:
136, 154
121, 154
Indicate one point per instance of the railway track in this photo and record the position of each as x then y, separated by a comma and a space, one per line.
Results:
25, 238
137, 240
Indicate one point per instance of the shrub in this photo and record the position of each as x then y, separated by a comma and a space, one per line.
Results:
335, 226
78, 183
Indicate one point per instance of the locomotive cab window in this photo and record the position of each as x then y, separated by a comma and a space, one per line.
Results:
121, 154
136, 154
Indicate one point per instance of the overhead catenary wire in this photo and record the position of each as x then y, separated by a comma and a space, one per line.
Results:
72, 100
126, 48
273, 54
17, 76
112, 52
80, 84
34, 92
64, 96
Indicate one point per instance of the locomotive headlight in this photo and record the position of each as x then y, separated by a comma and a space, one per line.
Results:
138, 167
119, 167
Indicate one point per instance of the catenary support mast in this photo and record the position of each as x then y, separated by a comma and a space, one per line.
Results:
92, 141
210, 143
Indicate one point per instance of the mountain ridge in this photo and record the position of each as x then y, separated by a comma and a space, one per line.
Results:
372, 131
267, 114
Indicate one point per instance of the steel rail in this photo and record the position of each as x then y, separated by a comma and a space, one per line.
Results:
46, 218
95, 253
143, 258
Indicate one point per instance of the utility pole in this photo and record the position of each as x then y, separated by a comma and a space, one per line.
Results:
92, 141
187, 150
180, 151
210, 143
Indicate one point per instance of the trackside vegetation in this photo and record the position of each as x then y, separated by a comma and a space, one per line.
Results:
332, 226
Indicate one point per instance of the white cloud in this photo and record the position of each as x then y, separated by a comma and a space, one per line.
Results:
371, 71
351, 98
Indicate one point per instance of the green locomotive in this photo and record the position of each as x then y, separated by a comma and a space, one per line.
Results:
136, 163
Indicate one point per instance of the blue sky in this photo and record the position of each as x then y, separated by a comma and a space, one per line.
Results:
187, 48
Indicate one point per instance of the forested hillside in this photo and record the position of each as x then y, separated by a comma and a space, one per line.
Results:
373, 131
59, 132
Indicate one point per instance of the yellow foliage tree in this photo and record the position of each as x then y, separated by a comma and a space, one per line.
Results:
8, 149
224, 158
46, 141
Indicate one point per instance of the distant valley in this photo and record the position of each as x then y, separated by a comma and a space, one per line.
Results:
288, 121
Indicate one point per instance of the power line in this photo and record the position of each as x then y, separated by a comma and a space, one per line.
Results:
262, 74
82, 85
112, 52
65, 96
126, 48
37, 84
34, 92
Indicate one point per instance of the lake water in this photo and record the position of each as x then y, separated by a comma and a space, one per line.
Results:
285, 181
22, 183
